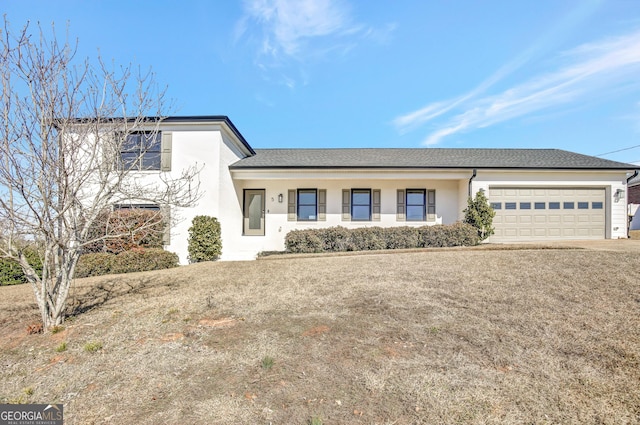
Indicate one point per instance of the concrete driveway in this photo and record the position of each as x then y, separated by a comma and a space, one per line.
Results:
628, 245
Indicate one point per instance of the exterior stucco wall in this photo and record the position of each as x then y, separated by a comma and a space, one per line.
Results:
277, 224
212, 150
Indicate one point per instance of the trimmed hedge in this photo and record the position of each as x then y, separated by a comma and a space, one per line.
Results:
135, 260
336, 239
11, 273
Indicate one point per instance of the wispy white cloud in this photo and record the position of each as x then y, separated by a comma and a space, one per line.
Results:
586, 72
288, 25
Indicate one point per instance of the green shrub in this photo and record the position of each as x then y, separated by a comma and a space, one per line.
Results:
94, 264
335, 239
368, 239
401, 237
458, 234
137, 260
205, 242
11, 272
480, 215
303, 241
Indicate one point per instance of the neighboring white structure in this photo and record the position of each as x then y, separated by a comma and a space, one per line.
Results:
260, 195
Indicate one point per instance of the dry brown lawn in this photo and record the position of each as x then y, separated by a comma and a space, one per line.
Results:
434, 337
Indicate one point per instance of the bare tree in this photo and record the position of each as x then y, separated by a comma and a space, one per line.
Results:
61, 161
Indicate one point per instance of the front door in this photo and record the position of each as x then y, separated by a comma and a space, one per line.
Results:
253, 212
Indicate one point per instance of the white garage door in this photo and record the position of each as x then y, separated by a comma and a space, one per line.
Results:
547, 214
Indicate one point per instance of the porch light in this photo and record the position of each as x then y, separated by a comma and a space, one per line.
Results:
618, 195
280, 198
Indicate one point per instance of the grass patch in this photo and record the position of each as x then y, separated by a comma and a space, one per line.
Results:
267, 362
434, 336
92, 347
62, 347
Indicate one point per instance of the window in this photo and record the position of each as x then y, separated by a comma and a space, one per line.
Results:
416, 205
554, 205
525, 205
509, 205
307, 205
569, 205
596, 205
150, 207
583, 205
361, 205
539, 205
141, 151
496, 205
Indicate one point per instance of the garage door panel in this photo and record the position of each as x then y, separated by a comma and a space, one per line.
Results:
539, 213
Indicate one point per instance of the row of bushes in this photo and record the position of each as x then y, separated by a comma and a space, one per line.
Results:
11, 273
135, 260
335, 239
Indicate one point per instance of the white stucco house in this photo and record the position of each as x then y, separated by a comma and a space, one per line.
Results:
259, 195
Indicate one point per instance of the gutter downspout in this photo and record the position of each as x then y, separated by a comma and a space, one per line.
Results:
629, 217
473, 176
635, 173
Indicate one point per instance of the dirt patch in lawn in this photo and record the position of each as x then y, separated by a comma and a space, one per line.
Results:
461, 336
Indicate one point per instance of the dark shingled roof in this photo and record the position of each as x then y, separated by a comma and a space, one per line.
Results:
437, 158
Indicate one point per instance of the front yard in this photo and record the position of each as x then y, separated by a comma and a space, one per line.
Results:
441, 336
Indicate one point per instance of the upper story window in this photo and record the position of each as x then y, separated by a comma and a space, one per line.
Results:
142, 151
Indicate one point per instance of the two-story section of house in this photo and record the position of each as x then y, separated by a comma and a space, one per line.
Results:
259, 195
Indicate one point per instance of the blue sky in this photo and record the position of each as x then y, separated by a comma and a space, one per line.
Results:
344, 73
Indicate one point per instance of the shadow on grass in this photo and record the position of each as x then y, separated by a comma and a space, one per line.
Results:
108, 289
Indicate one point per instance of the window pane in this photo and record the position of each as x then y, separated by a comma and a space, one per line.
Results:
496, 205
151, 161
509, 205
583, 205
569, 205
131, 143
151, 142
255, 211
596, 205
361, 197
415, 213
554, 205
415, 198
360, 212
307, 197
539, 205
525, 205
129, 160
307, 212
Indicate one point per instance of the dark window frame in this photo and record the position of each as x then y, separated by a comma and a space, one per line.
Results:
353, 204
299, 204
141, 157
423, 192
